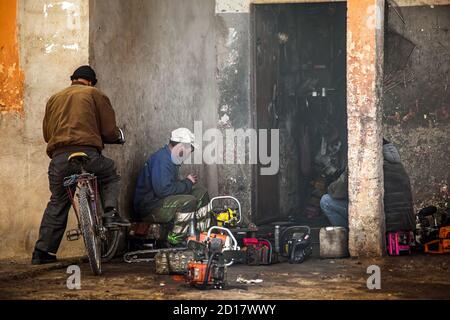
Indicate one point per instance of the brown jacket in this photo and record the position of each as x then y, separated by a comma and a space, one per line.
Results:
79, 116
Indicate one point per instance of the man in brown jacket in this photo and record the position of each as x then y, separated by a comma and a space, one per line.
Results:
78, 119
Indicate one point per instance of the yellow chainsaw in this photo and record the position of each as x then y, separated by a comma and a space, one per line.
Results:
226, 216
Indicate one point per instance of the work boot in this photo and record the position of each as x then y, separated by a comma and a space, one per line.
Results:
183, 225
41, 257
176, 240
111, 218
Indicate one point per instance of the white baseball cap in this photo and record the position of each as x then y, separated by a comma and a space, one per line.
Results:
183, 135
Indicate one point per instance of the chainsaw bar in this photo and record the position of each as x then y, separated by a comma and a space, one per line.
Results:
140, 256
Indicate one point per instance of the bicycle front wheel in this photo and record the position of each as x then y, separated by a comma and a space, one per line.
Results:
88, 227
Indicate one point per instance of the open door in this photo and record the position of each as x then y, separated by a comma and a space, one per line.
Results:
266, 55
299, 88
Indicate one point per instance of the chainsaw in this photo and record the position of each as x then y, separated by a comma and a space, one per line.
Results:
146, 240
209, 266
226, 216
440, 245
435, 235
202, 261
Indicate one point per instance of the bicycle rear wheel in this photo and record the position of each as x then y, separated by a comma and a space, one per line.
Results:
110, 244
88, 227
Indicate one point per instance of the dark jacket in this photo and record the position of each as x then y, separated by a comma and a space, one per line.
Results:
79, 116
398, 202
157, 180
339, 189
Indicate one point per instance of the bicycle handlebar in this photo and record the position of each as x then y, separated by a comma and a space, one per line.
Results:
120, 141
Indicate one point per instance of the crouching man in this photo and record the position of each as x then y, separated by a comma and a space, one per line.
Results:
398, 201
162, 197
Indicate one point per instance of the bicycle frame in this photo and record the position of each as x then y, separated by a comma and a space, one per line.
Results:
84, 179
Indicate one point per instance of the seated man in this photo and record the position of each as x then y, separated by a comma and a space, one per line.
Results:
398, 203
162, 197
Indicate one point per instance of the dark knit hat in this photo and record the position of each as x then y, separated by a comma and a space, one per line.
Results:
86, 73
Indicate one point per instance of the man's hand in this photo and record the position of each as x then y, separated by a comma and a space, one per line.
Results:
193, 178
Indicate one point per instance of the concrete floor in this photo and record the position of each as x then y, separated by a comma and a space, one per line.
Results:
414, 277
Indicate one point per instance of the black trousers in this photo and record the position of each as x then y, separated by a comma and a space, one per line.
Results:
54, 221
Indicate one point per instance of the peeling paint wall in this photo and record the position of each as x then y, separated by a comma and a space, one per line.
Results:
232, 6
365, 42
242, 6
11, 76
417, 96
233, 96
52, 41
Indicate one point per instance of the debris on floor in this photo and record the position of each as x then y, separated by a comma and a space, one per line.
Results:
316, 278
241, 279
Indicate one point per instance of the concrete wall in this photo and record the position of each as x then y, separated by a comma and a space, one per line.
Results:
417, 111
233, 32
52, 41
166, 64
365, 48
156, 61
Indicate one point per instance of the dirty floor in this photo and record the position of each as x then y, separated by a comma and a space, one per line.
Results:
413, 277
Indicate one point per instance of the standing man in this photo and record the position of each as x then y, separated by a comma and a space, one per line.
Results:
78, 119
162, 197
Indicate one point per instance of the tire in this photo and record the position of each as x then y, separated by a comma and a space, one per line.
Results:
88, 228
110, 245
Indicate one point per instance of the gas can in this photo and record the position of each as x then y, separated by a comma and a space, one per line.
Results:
333, 242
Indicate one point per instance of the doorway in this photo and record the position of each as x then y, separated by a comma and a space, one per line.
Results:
299, 87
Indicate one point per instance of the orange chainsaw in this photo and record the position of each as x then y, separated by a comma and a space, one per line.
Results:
209, 267
441, 245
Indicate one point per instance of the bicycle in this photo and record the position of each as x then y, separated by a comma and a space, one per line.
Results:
101, 242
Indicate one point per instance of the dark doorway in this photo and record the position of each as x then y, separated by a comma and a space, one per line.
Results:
300, 88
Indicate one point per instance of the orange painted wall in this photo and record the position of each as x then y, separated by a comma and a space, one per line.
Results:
11, 77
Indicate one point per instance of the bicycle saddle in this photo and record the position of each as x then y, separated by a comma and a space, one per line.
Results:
78, 155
